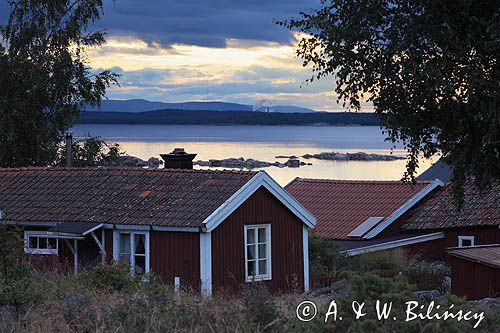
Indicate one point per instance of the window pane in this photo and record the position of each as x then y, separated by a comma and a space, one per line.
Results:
125, 257
140, 265
52, 243
250, 252
262, 251
262, 235
124, 243
466, 242
125, 247
33, 242
139, 244
250, 236
251, 268
42, 243
263, 267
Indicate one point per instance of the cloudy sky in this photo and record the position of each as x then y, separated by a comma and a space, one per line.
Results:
224, 50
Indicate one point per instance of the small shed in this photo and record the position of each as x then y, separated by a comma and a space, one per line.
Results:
475, 271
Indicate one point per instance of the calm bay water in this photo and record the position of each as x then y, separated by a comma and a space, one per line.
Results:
262, 143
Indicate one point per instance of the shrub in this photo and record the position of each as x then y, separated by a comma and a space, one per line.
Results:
263, 315
325, 258
369, 288
108, 278
386, 263
427, 275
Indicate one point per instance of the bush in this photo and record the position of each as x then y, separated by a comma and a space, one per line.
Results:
385, 263
264, 314
18, 280
109, 278
369, 288
325, 257
427, 275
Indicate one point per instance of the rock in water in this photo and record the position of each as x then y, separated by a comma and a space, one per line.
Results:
153, 162
293, 163
359, 156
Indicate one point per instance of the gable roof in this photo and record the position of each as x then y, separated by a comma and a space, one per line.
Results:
484, 254
343, 205
162, 197
439, 170
440, 211
134, 196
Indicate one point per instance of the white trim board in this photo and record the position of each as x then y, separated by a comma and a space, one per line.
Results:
394, 244
305, 255
404, 208
261, 179
206, 263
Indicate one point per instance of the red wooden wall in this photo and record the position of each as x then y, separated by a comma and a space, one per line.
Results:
474, 280
228, 253
431, 250
482, 235
176, 254
437, 249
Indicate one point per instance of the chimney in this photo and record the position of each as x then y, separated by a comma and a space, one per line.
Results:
69, 147
178, 159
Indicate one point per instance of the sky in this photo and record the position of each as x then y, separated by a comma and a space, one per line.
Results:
207, 50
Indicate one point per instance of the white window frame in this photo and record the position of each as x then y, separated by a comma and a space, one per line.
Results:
39, 234
268, 275
462, 238
116, 247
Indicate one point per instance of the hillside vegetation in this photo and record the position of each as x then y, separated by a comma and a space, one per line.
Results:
205, 117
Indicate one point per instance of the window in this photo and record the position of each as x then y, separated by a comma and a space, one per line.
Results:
133, 248
465, 241
38, 242
258, 252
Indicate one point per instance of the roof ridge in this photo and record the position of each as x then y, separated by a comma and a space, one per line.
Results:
62, 169
356, 181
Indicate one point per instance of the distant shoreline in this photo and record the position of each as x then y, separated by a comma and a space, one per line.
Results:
221, 118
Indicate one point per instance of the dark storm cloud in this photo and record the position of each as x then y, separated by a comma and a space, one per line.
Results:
202, 22
197, 22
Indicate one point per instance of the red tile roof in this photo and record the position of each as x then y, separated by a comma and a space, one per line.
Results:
486, 254
440, 211
342, 205
162, 197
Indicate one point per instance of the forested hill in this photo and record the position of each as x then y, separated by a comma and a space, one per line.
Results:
201, 117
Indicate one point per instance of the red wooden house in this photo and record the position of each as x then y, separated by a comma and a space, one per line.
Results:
206, 229
367, 216
476, 223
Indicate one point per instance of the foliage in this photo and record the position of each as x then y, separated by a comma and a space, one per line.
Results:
16, 275
426, 275
383, 262
264, 315
90, 152
430, 68
45, 80
197, 117
325, 257
108, 278
369, 288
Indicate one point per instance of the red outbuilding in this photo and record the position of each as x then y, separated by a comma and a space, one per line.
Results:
477, 222
475, 271
209, 230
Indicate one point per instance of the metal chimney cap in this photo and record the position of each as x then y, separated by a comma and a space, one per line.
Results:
179, 151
